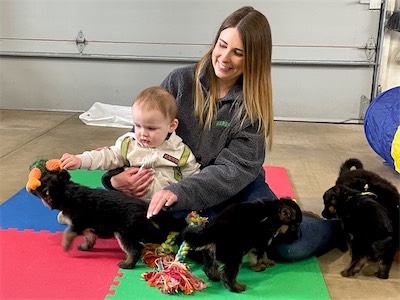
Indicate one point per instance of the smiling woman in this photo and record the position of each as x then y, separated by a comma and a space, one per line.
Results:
242, 51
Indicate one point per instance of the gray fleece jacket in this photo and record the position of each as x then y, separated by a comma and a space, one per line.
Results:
230, 157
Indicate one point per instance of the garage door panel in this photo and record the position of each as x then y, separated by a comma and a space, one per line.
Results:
319, 47
322, 22
320, 94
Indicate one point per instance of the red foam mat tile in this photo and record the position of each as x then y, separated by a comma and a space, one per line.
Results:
34, 266
279, 181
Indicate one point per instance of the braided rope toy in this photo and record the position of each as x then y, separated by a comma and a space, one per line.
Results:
172, 275
165, 251
38, 169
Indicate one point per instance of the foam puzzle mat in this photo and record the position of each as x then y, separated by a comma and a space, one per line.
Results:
34, 265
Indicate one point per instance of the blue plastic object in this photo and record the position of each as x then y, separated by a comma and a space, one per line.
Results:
381, 122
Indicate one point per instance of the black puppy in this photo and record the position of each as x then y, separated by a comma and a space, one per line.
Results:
96, 213
369, 227
236, 230
353, 175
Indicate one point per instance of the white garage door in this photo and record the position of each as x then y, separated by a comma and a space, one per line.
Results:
66, 54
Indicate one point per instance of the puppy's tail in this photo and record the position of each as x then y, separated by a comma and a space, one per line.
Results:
350, 163
197, 236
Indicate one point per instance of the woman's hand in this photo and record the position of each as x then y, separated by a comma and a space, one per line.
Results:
132, 182
160, 199
70, 162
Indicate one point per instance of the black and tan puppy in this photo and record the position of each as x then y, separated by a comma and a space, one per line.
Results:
353, 175
238, 229
96, 213
369, 227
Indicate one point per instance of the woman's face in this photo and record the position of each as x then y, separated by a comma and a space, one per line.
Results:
227, 56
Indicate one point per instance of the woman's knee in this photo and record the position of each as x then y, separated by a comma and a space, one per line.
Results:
315, 237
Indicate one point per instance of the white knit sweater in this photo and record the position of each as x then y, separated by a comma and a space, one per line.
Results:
166, 160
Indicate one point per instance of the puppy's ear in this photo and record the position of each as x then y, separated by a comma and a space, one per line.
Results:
330, 193
64, 176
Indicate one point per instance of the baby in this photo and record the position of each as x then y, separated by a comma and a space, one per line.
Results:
153, 144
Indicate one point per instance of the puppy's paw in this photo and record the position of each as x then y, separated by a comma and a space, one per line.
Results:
240, 287
212, 273
382, 274
347, 273
260, 264
263, 264
90, 240
258, 268
84, 247
124, 265
68, 238
235, 288
230, 281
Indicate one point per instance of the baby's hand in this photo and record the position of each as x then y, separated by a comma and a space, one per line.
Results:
70, 162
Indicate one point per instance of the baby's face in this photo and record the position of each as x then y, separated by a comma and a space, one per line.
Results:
151, 126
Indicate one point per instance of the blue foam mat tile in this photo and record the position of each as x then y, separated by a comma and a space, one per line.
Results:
25, 211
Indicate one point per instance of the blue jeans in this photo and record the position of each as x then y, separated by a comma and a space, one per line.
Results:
315, 236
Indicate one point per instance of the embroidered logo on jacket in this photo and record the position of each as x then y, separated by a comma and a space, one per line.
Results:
222, 124
171, 158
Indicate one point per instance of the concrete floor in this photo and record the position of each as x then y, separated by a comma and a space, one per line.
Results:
312, 154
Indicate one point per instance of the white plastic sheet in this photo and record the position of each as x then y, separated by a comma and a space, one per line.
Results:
108, 115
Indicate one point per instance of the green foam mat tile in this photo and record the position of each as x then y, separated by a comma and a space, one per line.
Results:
88, 178
286, 281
